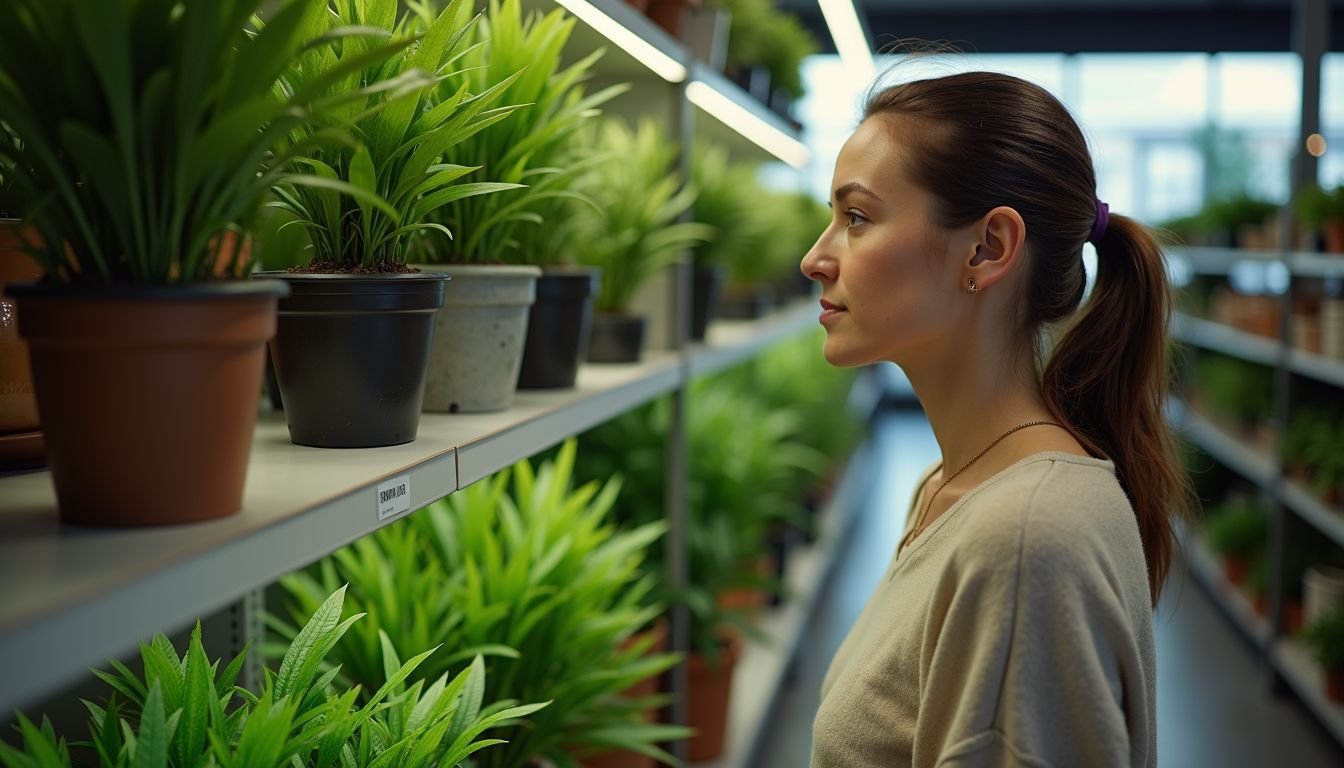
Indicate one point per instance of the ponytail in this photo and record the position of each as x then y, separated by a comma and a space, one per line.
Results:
1107, 378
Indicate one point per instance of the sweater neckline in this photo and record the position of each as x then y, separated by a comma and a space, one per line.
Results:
1068, 458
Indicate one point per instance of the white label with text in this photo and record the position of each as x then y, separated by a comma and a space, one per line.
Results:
394, 497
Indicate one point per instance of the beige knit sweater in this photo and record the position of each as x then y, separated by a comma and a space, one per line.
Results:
1015, 631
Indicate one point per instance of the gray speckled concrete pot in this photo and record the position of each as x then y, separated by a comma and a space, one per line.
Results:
478, 337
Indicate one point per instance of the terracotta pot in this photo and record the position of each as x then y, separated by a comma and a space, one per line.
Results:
1332, 232
1334, 684
18, 404
670, 14
1234, 569
709, 692
1292, 617
621, 758
149, 395
639, 5
750, 600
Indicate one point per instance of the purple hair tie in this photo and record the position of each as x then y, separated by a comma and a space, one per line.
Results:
1103, 219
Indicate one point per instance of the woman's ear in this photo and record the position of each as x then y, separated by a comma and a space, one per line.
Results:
1002, 239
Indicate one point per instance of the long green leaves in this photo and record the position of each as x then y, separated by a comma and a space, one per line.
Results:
365, 201
139, 131
631, 232
183, 712
536, 147
530, 569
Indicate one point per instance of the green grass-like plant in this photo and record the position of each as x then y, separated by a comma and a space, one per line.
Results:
1238, 528
538, 577
139, 131
535, 149
632, 232
185, 712
368, 198
727, 199
1325, 638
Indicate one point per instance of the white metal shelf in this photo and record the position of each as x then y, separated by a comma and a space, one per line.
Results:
1204, 566
1218, 261
759, 677
1256, 349
1316, 264
730, 342
1312, 510
1304, 675
1225, 339
1226, 449
75, 596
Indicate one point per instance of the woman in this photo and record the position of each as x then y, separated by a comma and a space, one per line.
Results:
1014, 626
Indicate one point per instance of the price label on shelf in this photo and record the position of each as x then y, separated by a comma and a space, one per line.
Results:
394, 497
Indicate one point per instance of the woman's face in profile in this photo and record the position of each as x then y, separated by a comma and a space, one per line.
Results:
890, 283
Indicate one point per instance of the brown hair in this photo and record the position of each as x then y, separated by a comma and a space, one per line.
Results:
984, 140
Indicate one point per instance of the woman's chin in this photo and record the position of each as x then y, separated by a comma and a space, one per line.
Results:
842, 355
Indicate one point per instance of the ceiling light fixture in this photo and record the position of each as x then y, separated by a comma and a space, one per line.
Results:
842, 18
639, 49
750, 125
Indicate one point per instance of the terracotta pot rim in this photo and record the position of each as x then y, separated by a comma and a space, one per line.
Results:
225, 289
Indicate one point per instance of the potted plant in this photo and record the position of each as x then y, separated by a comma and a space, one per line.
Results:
20, 433
527, 568
357, 306
725, 200
1236, 531
790, 44
632, 233
147, 132
186, 710
512, 245
1325, 638
748, 40
1324, 456
1321, 211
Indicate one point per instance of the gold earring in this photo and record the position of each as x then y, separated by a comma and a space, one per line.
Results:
970, 286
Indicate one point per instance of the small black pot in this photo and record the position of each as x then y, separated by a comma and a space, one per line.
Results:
616, 338
558, 327
350, 355
273, 386
706, 282
747, 303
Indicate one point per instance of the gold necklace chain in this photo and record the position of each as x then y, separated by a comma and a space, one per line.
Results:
919, 523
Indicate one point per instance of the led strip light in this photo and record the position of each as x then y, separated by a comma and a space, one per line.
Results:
842, 18
640, 49
753, 127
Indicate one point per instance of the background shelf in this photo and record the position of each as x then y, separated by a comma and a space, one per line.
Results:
1304, 675
1229, 341
1227, 450
1204, 566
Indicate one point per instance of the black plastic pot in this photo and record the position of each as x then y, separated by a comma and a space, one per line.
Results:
558, 327
616, 338
273, 386
350, 355
706, 282
747, 302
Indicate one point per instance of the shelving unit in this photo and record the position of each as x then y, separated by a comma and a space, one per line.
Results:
762, 668
77, 595
1204, 566
1288, 658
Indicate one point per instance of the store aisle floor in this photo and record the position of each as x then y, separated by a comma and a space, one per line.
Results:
1213, 705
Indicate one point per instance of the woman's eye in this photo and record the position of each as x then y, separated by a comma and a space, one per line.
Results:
855, 218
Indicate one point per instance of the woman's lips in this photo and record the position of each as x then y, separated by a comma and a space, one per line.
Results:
829, 311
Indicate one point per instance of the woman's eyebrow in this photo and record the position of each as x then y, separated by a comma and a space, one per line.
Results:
851, 188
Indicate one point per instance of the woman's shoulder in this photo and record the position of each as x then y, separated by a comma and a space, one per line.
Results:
1054, 506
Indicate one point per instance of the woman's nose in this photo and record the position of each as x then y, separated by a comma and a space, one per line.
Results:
816, 264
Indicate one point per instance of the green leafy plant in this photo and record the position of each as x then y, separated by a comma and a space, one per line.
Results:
540, 579
727, 199
1315, 206
1323, 452
1239, 528
632, 232
184, 712
367, 198
1325, 638
790, 43
1235, 389
140, 131
535, 149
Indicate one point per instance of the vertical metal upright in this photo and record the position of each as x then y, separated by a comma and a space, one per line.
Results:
1311, 31
675, 451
